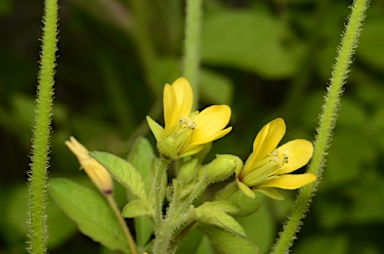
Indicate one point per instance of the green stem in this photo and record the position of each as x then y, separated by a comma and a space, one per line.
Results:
38, 174
128, 236
192, 46
157, 192
326, 124
177, 215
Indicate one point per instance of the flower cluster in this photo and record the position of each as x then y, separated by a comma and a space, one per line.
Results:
186, 132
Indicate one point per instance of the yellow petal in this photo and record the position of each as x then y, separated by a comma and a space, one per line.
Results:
184, 96
210, 124
268, 138
272, 193
265, 142
289, 182
177, 102
298, 151
190, 151
170, 107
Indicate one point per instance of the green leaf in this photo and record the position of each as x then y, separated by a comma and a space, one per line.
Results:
137, 208
222, 206
211, 213
215, 88
90, 211
260, 228
251, 40
123, 172
142, 158
246, 204
228, 243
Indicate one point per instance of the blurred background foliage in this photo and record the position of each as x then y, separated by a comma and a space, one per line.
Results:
266, 59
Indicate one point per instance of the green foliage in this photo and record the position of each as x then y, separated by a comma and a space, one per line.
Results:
253, 43
90, 212
256, 72
228, 243
123, 172
215, 213
142, 157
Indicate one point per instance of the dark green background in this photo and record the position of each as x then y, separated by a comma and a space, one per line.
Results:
266, 59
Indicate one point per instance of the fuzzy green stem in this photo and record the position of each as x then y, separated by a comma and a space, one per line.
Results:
177, 215
37, 228
192, 46
128, 236
157, 192
326, 124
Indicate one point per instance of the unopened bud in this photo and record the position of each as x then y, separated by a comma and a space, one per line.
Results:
98, 174
221, 168
188, 171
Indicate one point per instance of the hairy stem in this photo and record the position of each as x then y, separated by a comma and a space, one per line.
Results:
37, 202
192, 46
157, 192
326, 123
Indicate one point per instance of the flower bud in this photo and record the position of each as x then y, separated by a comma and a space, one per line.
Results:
188, 171
221, 168
98, 174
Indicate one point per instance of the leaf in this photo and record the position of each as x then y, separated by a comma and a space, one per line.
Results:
123, 172
228, 243
222, 206
210, 213
215, 88
142, 158
246, 204
90, 211
260, 228
137, 208
251, 40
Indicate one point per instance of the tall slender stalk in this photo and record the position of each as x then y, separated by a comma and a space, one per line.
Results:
192, 46
37, 229
326, 123
127, 233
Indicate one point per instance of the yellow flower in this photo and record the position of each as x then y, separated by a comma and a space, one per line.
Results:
268, 167
98, 174
185, 133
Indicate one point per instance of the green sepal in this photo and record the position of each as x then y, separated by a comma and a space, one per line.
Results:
246, 190
123, 172
203, 152
156, 128
187, 189
137, 208
228, 243
214, 213
246, 204
90, 211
